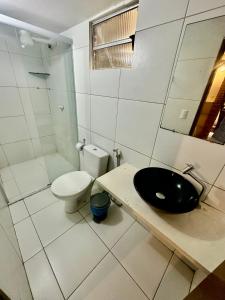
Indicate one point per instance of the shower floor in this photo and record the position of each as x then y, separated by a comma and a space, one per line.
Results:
23, 179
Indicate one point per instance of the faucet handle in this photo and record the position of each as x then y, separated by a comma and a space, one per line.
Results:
188, 168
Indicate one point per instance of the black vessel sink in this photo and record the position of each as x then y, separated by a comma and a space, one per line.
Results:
166, 190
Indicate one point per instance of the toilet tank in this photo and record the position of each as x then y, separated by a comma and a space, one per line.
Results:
95, 160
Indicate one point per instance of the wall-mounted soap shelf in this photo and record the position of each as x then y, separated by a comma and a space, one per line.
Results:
39, 73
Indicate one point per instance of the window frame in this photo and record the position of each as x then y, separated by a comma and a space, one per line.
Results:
111, 44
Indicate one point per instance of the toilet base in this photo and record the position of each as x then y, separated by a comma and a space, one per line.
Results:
72, 204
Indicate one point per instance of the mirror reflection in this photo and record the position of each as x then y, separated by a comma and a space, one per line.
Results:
196, 100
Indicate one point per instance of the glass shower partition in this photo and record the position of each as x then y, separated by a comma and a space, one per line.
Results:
58, 149
38, 122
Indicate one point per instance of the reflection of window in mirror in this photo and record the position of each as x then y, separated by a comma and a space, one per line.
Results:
209, 122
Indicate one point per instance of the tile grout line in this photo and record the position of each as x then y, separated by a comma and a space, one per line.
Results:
173, 253
46, 257
191, 283
89, 273
116, 257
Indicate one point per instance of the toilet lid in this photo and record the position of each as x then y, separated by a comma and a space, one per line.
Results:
71, 183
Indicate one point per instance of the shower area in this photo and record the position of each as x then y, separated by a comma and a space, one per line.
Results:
38, 127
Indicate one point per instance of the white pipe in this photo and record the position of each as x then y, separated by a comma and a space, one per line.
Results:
32, 28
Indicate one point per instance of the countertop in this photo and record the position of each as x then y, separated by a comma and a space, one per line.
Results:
198, 235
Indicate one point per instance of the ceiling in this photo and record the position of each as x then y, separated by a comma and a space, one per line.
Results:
54, 15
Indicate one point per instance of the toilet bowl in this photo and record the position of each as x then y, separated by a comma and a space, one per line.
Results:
72, 187
75, 187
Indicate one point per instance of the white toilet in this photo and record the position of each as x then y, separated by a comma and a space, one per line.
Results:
76, 186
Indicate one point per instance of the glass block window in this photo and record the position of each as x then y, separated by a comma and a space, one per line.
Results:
113, 40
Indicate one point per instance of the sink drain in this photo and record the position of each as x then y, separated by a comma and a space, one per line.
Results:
160, 196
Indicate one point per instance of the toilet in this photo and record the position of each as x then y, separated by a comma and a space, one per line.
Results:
74, 187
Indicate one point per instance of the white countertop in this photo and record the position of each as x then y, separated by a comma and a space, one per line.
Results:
198, 235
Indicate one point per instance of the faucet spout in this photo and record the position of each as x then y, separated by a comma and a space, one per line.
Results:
188, 171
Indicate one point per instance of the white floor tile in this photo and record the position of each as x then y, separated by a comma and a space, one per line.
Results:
30, 176
74, 255
52, 221
18, 211
6, 174
113, 227
40, 200
108, 281
27, 237
11, 190
41, 278
144, 257
176, 282
85, 210
199, 276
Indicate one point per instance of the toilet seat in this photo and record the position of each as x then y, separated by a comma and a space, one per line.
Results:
71, 184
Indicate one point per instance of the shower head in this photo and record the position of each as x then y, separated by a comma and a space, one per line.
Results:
25, 38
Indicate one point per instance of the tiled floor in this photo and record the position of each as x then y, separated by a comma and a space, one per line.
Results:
25, 178
71, 257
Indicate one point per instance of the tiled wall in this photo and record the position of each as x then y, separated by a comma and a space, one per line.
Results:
25, 119
13, 280
123, 108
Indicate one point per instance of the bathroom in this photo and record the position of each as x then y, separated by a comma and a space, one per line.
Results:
61, 93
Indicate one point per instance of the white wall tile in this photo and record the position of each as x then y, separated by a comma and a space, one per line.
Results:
48, 144
105, 82
13, 129
84, 134
172, 112
10, 102
220, 182
176, 150
29, 113
7, 77
40, 101
103, 116
44, 124
137, 125
22, 65
190, 78
203, 5
81, 70
83, 110
216, 198
152, 13
19, 151
149, 76
79, 34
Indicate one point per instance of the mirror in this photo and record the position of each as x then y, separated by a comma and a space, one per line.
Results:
196, 99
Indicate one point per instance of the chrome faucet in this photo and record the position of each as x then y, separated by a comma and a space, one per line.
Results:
118, 156
188, 171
